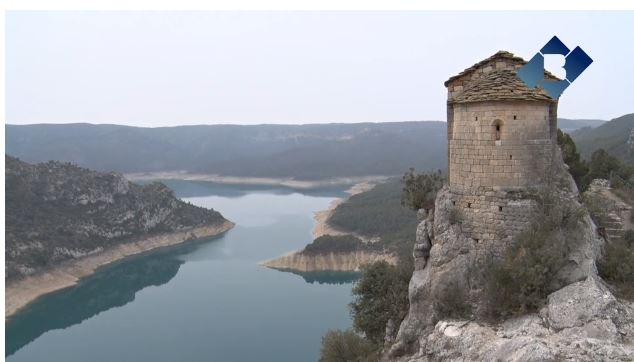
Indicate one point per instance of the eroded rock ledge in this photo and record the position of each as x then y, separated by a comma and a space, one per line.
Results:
581, 322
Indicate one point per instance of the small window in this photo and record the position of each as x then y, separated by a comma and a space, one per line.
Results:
514, 117
500, 208
510, 157
469, 205
476, 118
453, 203
476, 240
497, 132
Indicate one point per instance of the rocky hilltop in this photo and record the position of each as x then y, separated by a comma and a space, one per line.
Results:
63, 221
582, 320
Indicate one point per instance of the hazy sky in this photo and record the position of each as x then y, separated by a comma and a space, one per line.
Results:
170, 68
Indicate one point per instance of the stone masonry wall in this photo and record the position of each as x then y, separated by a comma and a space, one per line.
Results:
519, 159
491, 215
490, 178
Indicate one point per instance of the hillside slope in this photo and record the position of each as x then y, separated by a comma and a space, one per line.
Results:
614, 136
313, 151
56, 212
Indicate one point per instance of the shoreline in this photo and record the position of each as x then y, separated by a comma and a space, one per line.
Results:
21, 293
255, 181
333, 261
322, 226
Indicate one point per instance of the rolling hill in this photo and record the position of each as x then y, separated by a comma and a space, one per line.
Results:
614, 136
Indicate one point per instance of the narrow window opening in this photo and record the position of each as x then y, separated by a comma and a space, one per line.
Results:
469, 205
500, 208
514, 117
510, 157
497, 132
453, 203
476, 118
476, 240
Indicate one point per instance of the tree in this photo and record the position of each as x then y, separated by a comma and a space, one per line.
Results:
419, 190
576, 166
603, 165
346, 346
380, 295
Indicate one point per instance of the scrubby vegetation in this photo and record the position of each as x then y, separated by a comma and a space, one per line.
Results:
617, 264
453, 303
329, 243
379, 296
346, 346
519, 281
378, 213
57, 211
600, 165
419, 190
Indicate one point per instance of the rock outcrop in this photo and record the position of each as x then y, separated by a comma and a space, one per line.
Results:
581, 321
612, 214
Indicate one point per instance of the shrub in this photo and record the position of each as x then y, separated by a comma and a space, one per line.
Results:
617, 264
346, 346
455, 216
334, 243
576, 166
380, 295
452, 302
519, 281
419, 190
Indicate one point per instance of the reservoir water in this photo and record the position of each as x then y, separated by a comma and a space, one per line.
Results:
205, 300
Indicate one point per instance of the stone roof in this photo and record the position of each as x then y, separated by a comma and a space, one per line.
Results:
494, 78
500, 84
502, 54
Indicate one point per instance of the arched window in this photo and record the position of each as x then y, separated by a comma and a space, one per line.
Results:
497, 129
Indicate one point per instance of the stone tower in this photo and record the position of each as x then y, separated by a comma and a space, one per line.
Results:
501, 142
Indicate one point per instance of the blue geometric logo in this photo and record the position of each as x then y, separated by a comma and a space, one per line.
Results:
532, 73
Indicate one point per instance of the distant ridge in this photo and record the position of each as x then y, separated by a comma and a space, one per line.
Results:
307, 152
614, 136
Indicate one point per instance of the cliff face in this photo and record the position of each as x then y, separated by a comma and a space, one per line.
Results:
57, 212
582, 320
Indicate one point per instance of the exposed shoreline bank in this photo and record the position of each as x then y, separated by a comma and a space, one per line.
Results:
334, 261
258, 181
20, 293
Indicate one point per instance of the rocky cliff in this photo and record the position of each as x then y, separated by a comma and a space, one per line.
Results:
57, 212
581, 319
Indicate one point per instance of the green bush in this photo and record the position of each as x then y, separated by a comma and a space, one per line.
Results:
576, 166
346, 346
452, 302
378, 213
519, 281
419, 190
617, 264
455, 216
381, 295
334, 243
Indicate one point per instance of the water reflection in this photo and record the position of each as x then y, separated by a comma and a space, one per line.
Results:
113, 286
325, 277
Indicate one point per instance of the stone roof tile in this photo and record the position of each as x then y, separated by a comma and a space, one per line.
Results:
502, 84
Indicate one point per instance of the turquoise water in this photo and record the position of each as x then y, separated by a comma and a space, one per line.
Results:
206, 300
